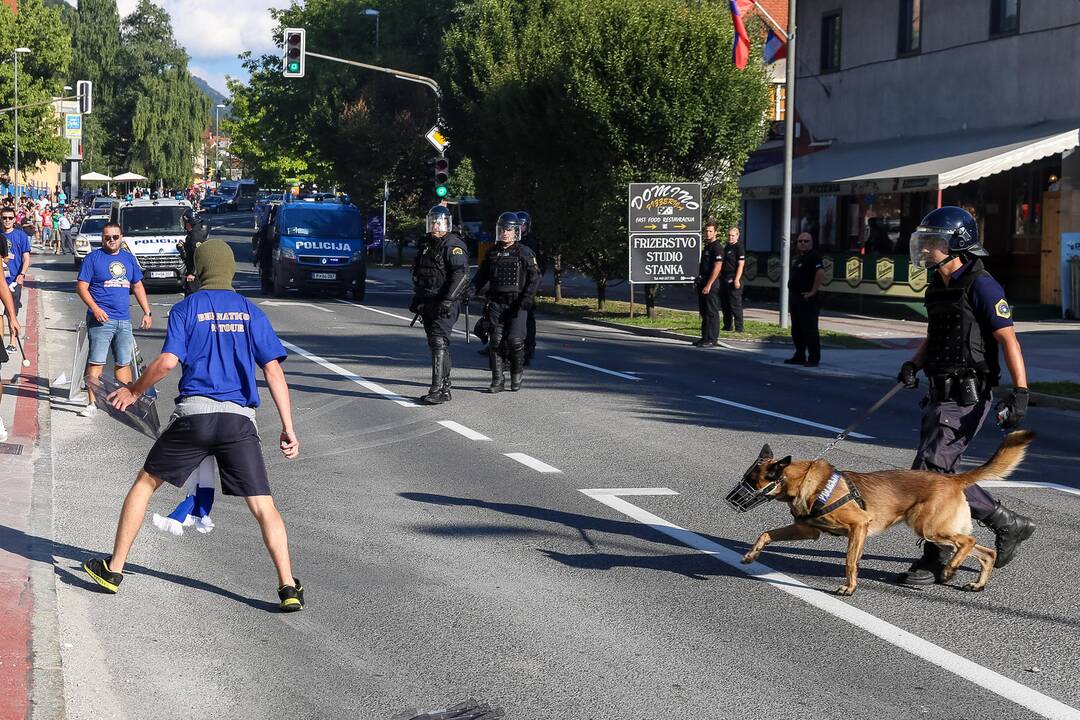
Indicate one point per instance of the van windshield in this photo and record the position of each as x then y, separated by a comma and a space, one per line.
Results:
334, 224
153, 220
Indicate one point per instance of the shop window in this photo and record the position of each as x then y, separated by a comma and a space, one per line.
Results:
910, 41
1004, 17
830, 42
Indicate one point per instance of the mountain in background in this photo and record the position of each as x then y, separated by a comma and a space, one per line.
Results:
214, 95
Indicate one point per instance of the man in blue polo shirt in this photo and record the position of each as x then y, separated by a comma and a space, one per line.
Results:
107, 278
218, 338
16, 260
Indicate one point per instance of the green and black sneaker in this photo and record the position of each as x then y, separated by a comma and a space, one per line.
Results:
98, 569
292, 597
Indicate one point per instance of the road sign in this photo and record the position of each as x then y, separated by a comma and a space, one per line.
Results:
437, 139
664, 257
665, 207
72, 125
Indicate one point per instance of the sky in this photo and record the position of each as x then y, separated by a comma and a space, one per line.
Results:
214, 32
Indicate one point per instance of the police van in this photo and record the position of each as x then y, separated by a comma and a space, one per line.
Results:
316, 246
152, 229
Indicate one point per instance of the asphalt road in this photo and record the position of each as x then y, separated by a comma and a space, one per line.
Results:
439, 565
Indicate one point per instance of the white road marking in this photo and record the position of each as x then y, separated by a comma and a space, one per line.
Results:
984, 677
1029, 485
462, 430
624, 376
532, 462
361, 381
277, 303
790, 418
387, 314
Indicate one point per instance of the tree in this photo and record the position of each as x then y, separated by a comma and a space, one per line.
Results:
42, 75
95, 43
561, 103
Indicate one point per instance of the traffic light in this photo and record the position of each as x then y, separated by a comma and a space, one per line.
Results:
442, 176
84, 90
294, 52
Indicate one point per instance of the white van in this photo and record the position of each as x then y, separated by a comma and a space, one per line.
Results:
152, 229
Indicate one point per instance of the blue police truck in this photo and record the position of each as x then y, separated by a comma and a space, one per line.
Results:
315, 246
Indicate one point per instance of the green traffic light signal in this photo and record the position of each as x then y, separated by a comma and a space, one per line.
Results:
441, 191
294, 67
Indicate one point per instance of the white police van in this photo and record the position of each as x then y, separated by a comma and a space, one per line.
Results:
152, 229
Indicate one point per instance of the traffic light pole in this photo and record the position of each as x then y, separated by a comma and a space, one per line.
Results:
399, 74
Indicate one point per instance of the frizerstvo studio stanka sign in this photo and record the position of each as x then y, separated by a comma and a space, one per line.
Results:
664, 223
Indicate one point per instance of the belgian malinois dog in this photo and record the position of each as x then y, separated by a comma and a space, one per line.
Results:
857, 505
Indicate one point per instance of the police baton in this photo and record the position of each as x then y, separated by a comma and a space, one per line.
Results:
414, 319
466, 321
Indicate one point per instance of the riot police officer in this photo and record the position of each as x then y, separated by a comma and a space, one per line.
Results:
198, 231
969, 319
440, 274
512, 276
529, 240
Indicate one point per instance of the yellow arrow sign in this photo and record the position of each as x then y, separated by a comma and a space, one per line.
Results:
649, 227
680, 227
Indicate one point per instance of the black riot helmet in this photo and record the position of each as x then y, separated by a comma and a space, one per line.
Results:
946, 231
439, 221
526, 222
508, 228
189, 218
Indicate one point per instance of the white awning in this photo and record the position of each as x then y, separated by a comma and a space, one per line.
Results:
914, 164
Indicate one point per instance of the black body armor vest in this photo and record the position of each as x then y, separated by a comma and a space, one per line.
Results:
507, 273
429, 273
956, 340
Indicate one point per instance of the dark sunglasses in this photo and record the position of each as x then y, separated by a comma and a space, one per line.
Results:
7, 217
109, 237
803, 241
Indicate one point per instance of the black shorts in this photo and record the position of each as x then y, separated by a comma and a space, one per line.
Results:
233, 441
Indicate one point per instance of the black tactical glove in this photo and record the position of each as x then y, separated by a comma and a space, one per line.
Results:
527, 303
909, 375
414, 306
1012, 410
444, 309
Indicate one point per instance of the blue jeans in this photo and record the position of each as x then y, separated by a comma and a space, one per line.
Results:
115, 334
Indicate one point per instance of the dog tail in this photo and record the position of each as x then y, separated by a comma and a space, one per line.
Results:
1000, 466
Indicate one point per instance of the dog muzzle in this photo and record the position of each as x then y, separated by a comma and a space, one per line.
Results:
744, 496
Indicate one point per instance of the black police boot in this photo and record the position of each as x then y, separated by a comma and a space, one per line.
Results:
498, 380
435, 394
1010, 529
517, 365
928, 569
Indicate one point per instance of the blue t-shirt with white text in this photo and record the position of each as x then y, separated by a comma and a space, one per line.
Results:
18, 242
220, 338
110, 278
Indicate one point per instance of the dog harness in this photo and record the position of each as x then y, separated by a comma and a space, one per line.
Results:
819, 507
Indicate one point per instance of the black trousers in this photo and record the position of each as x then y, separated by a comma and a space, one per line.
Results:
947, 430
508, 327
709, 309
530, 333
804, 327
731, 304
435, 325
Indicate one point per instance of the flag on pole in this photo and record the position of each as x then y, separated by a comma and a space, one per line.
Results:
740, 51
775, 48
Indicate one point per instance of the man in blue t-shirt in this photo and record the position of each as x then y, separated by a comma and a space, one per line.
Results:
107, 278
16, 258
218, 338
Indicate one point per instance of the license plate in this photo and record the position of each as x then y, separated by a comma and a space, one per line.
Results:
324, 276
162, 274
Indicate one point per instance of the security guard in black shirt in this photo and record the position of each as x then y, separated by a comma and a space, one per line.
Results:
969, 319
708, 288
731, 282
807, 274
198, 232
440, 277
512, 277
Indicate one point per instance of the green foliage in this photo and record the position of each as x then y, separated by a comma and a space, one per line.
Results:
95, 42
562, 103
42, 75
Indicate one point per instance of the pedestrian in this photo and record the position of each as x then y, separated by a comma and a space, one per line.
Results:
218, 337
8, 303
197, 232
529, 240
56, 239
804, 303
707, 284
65, 233
17, 260
512, 275
440, 277
731, 288
969, 319
107, 278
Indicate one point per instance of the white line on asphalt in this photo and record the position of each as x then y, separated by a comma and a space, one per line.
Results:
287, 303
388, 314
1025, 484
624, 376
532, 462
790, 418
361, 381
984, 677
462, 430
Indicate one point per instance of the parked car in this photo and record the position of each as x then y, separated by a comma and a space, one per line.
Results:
213, 204
88, 235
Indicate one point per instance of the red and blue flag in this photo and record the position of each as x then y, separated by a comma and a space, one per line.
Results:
740, 51
775, 48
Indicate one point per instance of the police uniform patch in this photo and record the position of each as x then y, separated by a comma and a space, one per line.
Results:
457, 251
1002, 309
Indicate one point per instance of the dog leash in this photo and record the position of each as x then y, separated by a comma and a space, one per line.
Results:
850, 428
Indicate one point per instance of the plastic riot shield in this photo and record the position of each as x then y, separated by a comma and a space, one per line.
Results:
142, 416
78, 361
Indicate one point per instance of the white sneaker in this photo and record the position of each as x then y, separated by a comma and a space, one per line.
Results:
89, 411
3, 432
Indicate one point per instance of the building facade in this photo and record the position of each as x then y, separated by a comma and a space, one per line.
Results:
904, 105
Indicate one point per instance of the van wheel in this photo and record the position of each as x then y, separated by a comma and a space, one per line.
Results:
279, 287
265, 281
359, 290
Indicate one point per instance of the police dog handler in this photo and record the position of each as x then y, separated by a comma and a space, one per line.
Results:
440, 276
968, 320
218, 338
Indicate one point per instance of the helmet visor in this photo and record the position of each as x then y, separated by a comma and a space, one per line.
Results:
929, 246
507, 232
439, 223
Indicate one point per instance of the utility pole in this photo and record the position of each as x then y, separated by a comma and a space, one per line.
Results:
385, 197
789, 143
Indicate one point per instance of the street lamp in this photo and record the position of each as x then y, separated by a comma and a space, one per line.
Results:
217, 138
371, 12
18, 51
